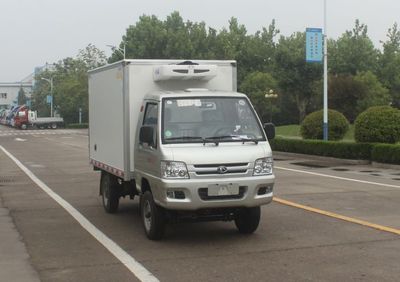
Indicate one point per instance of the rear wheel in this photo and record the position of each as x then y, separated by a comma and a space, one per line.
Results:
109, 190
54, 126
24, 126
247, 219
152, 217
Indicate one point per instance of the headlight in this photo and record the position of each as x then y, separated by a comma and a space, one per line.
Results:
263, 166
174, 170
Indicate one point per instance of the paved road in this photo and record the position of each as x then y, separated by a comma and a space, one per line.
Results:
291, 244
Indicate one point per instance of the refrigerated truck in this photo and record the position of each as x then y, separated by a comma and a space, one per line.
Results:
179, 135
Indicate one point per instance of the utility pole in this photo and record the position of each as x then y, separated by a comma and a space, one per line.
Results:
51, 93
325, 125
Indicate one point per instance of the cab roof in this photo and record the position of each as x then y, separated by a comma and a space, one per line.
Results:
192, 92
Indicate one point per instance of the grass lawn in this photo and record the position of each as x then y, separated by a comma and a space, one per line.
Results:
293, 131
288, 131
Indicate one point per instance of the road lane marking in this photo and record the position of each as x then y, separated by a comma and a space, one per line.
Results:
338, 177
338, 216
133, 265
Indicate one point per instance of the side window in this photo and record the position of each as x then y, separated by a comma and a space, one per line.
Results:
151, 114
151, 119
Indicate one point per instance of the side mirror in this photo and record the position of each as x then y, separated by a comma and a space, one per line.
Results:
269, 129
146, 135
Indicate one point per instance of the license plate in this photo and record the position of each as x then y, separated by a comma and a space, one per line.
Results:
223, 189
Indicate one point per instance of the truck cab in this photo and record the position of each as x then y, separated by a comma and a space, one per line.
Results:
204, 152
203, 149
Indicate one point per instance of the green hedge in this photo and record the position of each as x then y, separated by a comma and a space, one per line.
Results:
77, 125
379, 125
311, 127
386, 153
382, 153
344, 150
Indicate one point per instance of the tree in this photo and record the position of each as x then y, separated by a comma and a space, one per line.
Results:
70, 80
296, 77
344, 94
389, 64
256, 85
151, 38
71, 89
353, 52
351, 95
173, 38
144, 40
374, 93
178, 43
40, 91
92, 57
258, 52
21, 96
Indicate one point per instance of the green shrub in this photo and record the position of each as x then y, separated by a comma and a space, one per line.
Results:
345, 150
385, 153
77, 125
312, 125
378, 124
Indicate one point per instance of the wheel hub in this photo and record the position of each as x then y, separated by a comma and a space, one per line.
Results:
147, 215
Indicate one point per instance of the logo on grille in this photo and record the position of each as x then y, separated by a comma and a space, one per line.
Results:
222, 169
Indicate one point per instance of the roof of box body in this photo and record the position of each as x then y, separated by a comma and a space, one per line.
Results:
157, 62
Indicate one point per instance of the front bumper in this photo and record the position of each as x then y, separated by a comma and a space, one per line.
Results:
195, 193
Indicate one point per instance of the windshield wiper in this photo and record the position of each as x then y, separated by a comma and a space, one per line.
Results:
249, 140
215, 139
204, 140
233, 137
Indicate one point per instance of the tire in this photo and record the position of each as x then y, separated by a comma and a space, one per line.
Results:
109, 191
54, 126
24, 126
152, 217
247, 219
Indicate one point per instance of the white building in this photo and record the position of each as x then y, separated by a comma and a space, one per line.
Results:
9, 91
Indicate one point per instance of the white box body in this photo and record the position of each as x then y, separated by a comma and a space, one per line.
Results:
116, 94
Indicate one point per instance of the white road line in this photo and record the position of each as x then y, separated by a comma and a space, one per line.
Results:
338, 177
133, 265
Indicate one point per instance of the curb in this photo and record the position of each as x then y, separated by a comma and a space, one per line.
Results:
346, 161
323, 158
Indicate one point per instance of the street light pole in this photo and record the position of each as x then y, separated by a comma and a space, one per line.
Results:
270, 95
121, 51
325, 125
51, 93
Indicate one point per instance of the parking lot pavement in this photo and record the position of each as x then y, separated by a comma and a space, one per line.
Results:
9, 131
357, 190
291, 244
14, 259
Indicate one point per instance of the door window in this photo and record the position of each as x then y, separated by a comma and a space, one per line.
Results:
151, 119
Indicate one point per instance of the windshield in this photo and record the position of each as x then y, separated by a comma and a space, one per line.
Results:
209, 119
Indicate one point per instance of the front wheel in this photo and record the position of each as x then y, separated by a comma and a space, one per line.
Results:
247, 219
152, 217
109, 191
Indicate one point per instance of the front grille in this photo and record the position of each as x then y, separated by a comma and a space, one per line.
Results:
203, 193
220, 169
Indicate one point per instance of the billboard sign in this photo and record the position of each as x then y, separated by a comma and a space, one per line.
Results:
314, 42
